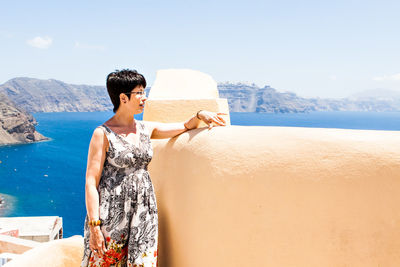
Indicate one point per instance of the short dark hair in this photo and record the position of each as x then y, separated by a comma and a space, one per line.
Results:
123, 81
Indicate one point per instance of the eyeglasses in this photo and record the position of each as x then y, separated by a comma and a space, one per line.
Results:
140, 93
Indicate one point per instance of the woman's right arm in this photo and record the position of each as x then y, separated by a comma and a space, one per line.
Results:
96, 157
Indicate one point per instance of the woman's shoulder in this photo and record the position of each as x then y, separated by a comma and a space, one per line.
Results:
147, 125
102, 132
142, 123
100, 137
99, 134
101, 129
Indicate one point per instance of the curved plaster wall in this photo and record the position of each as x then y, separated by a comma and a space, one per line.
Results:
278, 196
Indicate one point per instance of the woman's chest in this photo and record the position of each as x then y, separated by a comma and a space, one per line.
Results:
125, 154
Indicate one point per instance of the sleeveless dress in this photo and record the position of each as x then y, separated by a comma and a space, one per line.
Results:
128, 207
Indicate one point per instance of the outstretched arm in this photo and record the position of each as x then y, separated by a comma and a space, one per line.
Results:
160, 130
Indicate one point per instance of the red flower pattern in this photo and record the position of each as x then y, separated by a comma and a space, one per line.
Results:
116, 254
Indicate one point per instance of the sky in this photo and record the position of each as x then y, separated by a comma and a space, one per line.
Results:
312, 48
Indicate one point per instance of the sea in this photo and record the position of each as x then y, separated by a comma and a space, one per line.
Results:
48, 178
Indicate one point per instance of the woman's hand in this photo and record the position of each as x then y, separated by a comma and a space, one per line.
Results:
96, 241
211, 117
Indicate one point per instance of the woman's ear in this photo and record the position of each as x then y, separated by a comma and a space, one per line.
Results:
122, 98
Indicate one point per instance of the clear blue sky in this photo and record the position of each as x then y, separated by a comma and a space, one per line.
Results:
312, 48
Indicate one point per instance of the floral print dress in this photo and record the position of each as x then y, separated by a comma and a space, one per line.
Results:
128, 207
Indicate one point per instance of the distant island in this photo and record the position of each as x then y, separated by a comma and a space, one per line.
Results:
21, 96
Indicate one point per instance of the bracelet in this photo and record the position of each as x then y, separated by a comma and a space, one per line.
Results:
94, 222
197, 114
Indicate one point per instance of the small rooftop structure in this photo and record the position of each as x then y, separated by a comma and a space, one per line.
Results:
41, 229
177, 94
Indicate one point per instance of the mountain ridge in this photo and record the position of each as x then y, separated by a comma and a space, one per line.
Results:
37, 95
241, 98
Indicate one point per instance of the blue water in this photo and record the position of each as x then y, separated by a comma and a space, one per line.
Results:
344, 120
47, 178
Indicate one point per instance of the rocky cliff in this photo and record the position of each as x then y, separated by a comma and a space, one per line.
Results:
16, 125
35, 95
251, 98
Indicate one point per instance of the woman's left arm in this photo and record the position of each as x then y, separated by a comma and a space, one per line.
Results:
160, 130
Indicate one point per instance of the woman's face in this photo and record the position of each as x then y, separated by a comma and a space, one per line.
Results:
137, 100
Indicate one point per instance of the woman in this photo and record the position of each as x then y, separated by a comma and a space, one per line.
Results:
121, 226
